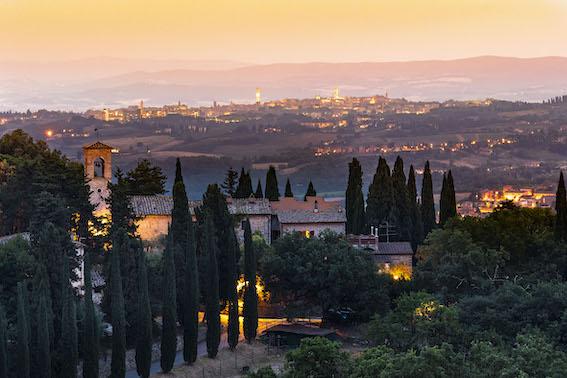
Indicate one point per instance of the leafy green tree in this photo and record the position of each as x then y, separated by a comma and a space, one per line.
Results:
118, 363
69, 346
297, 270
380, 199
230, 182
90, 343
168, 312
191, 300
144, 338
23, 341
288, 191
318, 358
415, 212
212, 309
311, 192
355, 200
263, 372
272, 190
146, 179
4, 363
418, 320
259, 194
537, 357
561, 210
250, 293
401, 209
427, 201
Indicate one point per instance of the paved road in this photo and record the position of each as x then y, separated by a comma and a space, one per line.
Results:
263, 324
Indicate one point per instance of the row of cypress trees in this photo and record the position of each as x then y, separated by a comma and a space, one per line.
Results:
240, 186
392, 198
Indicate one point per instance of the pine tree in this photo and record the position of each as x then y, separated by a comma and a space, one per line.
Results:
288, 192
380, 197
259, 194
272, 190
230, 182
90, 326
118, 363
43, 343
3, 344
168, 310
69, 334
180, 217
144, 338
233, 322
427, 201
355, 199
23, 343
310, 191
415, 213
191, 300
250, 295
561, 210
212, 288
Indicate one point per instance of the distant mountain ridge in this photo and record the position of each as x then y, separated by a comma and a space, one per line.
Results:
528, 79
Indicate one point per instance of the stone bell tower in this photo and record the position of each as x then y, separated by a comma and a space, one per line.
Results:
98, 172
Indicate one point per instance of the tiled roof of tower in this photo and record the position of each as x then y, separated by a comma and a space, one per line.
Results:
159, 204
97, 146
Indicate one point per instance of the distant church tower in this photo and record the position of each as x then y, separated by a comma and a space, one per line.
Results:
98, 171
258, 96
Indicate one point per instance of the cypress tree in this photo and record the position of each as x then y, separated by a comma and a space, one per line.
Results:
178, 172
69, 342
43, 348
310, 191
144, 338
415, 213
272, 190
212, 288
250, 295
3, 344
244, 189
259, 194
427, 201
90, 326
561, 210
380, 198
288, 192
447, 205
215, 202
354, 199
230, 182
401, 213
191, 300
118, 363
168, 311
180, 217
23, 344
233, 322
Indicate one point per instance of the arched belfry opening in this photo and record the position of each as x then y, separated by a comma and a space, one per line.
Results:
99, 167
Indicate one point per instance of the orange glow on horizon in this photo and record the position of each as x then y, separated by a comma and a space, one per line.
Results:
276, 31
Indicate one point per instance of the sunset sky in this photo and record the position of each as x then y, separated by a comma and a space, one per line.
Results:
264, 31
